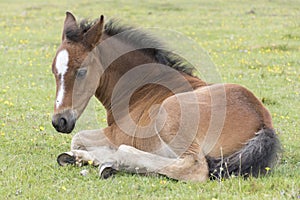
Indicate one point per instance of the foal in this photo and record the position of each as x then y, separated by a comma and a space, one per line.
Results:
161, 118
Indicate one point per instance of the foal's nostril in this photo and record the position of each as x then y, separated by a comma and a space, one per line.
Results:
59, 123
62, 122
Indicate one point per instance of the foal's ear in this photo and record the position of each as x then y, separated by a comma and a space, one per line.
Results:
70, 22
92, 37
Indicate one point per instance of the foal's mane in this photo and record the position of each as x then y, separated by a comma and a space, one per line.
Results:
137, 38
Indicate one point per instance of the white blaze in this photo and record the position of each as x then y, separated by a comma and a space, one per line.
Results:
62, 60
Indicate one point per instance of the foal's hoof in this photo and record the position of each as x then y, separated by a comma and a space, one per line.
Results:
66, 159
107, 170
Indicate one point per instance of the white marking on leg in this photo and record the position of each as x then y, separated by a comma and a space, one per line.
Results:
62, 60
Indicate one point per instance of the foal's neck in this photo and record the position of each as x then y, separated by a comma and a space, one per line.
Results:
137, 77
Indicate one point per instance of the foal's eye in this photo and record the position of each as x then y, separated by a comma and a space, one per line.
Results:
81, 73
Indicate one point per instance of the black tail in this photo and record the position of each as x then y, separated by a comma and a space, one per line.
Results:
256, 158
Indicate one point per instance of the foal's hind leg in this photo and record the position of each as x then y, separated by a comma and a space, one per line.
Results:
89, 146
130, 159
188, 168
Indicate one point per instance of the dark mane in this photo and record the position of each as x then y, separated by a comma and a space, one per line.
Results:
139, 39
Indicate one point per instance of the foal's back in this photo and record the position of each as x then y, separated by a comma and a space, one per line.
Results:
226, 117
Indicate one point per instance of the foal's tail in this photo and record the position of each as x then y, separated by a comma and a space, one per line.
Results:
256, 158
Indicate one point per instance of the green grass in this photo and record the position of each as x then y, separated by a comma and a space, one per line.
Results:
253, 43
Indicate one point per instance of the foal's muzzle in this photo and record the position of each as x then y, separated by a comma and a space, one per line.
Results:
64, 122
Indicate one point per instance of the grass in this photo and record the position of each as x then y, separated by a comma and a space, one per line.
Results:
253, 43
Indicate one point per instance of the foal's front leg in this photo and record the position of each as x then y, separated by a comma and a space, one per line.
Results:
130, 159
90, 146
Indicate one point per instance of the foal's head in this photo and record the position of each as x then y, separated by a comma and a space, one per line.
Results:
74, 68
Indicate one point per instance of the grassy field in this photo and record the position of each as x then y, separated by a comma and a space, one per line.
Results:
253, 43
